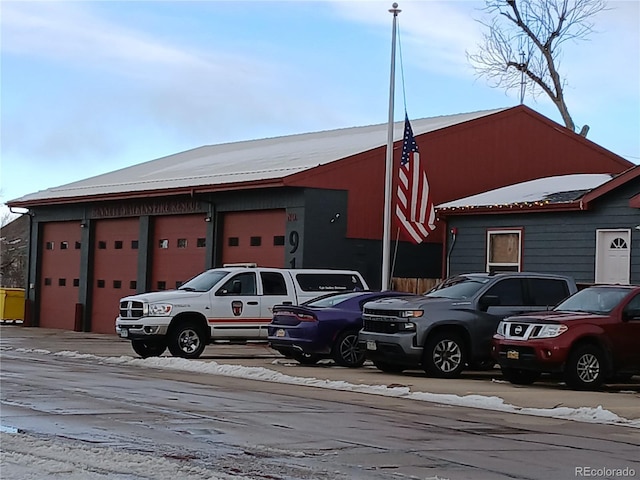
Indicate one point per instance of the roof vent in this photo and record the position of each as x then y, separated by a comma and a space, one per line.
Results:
584, 131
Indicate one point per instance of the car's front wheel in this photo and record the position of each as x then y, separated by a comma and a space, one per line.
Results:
346, 352
444, 355
585, 368
186, 340
518, 376
148, 349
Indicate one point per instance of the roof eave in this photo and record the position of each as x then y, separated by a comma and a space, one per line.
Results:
508, 209
190, 191
615, 182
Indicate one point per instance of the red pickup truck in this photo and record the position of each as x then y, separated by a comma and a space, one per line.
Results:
589, 338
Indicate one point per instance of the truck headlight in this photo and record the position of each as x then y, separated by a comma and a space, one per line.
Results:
501, 328
550, 331
156, 309
411, 313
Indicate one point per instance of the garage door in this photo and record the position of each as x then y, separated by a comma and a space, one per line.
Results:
115, 269
178, 250
254, 237
60, 274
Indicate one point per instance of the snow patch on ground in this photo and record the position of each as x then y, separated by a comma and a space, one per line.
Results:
582, 414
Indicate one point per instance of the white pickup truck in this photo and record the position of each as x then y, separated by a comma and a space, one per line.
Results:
229, 303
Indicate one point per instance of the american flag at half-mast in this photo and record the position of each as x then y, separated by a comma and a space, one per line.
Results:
414, 207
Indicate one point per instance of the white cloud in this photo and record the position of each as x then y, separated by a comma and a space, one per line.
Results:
434, 35
112, 86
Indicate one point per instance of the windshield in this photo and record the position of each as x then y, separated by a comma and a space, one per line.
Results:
596, 300
331, 300
458, 288
204, 281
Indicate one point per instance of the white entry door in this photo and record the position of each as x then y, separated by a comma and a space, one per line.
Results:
613, 256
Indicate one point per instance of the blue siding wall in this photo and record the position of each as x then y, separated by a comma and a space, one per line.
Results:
554, 242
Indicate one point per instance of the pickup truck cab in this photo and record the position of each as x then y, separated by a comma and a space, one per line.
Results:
451, 327
229, 303
589, 338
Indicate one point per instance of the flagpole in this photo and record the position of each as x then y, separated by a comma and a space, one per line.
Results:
386, 234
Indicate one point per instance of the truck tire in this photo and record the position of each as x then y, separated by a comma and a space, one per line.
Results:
147, 349
186, 340
518, 376
444, 355
345, 351
585, 369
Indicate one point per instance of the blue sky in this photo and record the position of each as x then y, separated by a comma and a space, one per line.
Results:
89, 87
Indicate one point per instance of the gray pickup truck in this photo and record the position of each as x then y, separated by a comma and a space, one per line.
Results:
450, 327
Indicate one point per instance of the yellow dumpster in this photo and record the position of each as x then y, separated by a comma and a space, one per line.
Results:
12, 304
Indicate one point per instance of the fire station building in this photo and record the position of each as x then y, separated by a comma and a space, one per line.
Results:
312, 200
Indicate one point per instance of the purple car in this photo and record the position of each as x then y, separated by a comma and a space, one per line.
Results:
326, 327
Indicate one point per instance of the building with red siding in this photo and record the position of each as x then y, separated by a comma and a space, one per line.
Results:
310, 200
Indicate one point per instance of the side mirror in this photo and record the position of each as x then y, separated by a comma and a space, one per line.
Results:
631, 314
487, 301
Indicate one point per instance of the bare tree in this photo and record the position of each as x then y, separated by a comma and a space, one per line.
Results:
525, 37
14, 243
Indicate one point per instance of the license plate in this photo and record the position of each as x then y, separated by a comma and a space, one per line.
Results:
513, 354
371, 345
280, 333
124, 333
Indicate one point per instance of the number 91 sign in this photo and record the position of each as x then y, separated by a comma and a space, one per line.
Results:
293, 256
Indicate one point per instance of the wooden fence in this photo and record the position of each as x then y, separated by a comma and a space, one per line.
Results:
414, 285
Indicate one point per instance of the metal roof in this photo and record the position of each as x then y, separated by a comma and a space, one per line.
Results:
246, 161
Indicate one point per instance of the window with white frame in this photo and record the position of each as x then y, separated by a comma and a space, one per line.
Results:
504, 250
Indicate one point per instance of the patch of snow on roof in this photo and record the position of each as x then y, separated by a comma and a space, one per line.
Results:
247, 161
532, 191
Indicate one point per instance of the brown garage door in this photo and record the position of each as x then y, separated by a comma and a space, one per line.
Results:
178, 249
254, 237
60, 274
115, 270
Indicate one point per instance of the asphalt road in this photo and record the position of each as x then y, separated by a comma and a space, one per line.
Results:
257, 429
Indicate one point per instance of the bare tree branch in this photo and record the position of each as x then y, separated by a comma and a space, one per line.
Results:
537, 29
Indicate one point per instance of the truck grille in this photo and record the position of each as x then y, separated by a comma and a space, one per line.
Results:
130, 309
518, 329
381, 326
391, 314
